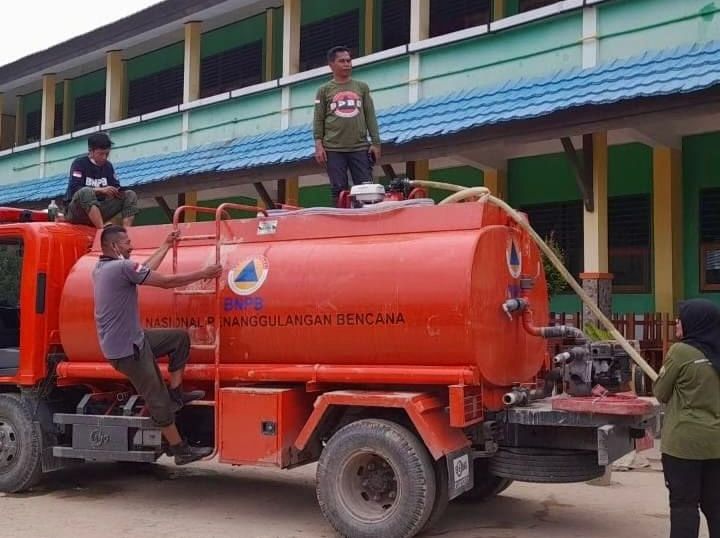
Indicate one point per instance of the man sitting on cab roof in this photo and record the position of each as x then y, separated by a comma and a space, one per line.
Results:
94, 195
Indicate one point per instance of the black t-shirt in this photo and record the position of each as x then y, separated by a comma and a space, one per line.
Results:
85, 173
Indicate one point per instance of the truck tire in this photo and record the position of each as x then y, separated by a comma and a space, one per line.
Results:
442, 494
485, 484
20, 446
376, 478
552, 466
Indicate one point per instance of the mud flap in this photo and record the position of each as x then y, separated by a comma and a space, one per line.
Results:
460, 472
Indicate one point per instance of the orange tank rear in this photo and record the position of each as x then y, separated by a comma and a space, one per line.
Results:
419, 288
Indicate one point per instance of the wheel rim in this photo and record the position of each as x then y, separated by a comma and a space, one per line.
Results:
369, 487
9, 445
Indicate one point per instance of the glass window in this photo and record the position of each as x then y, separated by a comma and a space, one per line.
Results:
709, 215
629, 249
317, 38
452, 15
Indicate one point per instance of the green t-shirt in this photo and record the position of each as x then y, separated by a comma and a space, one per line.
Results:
344, 116
690, 386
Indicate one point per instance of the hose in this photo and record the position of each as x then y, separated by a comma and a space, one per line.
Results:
462, 193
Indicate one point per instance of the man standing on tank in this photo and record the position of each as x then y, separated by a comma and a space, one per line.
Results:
344, 117
94, 195
132, 350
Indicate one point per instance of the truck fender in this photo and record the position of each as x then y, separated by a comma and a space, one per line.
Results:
426, 411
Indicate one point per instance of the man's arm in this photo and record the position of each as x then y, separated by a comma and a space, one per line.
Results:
319, 115
76, 181
319, 126
160, 280
154, 261
372, 124
665, 383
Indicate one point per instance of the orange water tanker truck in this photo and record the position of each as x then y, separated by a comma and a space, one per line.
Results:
401, 345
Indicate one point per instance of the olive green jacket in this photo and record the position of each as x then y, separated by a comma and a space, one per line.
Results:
690, 386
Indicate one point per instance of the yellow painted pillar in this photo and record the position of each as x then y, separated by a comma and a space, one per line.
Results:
292, 191
191, 87
369, 26
597, 281
20, 122
115, 87
47, 117
269, 42
191, 76
498, 9
419, 20
595, 222
667, 228
496, 180
291, 37
68, 108
419, 170
2, 120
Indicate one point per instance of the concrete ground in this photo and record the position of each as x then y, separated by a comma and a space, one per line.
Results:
211, 500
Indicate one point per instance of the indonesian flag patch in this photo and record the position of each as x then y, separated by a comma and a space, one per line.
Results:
77, 173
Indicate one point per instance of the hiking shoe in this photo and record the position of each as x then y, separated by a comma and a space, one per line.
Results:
185, 453
181, 398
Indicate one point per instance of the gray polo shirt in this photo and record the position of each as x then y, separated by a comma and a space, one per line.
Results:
116, 305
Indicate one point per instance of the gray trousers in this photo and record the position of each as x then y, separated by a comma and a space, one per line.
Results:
84, 199
142, 370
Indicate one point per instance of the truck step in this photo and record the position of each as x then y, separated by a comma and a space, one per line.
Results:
104, 455
203, 347
201, 403
199, 237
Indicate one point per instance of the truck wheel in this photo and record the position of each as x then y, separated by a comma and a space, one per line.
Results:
442, 494
546, 465
485, 484
20, 446
376, 478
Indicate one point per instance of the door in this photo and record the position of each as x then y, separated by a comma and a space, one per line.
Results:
11, 260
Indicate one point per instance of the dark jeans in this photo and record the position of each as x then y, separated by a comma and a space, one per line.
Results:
692, 484
338, 164
143, 372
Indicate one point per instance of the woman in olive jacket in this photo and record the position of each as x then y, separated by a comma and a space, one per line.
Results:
689, 383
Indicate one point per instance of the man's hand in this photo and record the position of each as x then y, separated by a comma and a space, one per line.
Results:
375, 152
172, 237
320, 154
212, 271
109, 191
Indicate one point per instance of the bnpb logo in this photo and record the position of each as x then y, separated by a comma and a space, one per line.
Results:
514, 258
249, 275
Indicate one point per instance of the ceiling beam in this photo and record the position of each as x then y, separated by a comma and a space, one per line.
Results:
166, 209
655, 136
583, 168
483, 161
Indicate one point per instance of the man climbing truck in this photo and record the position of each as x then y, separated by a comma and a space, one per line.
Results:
402, 345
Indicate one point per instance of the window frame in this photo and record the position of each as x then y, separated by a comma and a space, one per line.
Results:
704, 247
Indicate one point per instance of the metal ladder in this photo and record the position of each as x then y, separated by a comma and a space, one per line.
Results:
219, 213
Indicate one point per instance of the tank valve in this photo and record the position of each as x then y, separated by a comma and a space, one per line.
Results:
514, 305
522, 396
515, 397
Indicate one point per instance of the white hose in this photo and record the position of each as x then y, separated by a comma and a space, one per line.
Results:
462, 193
370, 209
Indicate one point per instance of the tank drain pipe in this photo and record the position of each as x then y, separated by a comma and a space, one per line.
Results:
463, 193
522, 396
557, 331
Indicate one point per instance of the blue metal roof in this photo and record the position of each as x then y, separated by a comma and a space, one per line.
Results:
680, 70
